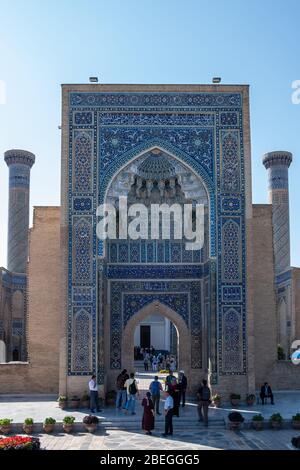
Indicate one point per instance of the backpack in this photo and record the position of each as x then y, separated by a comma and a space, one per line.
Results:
155, 388
205, 394
132, 388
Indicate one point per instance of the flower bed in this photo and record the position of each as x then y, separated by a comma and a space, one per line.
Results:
19, 443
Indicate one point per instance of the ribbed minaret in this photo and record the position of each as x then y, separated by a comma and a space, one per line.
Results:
19, 163
277, 164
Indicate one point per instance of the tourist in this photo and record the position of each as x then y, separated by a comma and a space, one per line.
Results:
266, 392
182, 387
121, 389
132, 392
154, 364
203, 402
169, 404
168, 379
146, 362
148, 414
168, 363
155, 389
160, 361
173, 388
173, 365
94, 396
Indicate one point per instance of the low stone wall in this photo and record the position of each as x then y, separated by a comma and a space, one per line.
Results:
284, 376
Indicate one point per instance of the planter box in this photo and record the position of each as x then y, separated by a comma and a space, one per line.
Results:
276, 424
217, 403
68, 428
91, 427
73, 403
234, 426
62, 404
85, 404
258, 425
235, 401
48, 428
5, 429
28, 428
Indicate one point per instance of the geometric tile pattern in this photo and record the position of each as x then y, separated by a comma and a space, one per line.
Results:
204, 131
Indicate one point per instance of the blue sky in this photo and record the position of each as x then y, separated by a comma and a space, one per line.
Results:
46, 43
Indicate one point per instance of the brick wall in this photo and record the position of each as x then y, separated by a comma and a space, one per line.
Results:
40, 374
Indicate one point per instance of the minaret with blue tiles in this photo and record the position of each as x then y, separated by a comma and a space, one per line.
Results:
19, 163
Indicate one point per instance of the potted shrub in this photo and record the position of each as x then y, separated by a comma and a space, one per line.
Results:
62, 401
5, 425
296, 442
68, 424
250, 399
296, 421
216, 399
111, 397
235, 420
28, 426
49, 425
74, 402
85, 400
90, 423
258, 422
276, 421
235, 399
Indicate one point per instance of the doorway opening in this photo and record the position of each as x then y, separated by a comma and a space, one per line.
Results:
156, 343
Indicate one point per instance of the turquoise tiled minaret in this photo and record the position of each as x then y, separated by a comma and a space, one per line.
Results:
19, 163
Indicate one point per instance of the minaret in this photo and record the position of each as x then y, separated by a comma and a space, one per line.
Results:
277, 164
19, 163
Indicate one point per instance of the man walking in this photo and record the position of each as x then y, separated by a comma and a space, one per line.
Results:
94, 396
121, 389
132, 392
204, 402
155, 389
169, 405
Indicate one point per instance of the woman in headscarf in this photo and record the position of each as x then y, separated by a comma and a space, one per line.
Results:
148, 415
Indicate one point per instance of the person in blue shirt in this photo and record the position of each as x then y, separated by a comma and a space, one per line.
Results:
155, 389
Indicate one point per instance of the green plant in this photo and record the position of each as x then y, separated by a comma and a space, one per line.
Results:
250, 397
276, 417
62, 398
258, 418
50, 421
280, 353
296, 417
69, 420
5, 422
235, 396
28, 421
111, 394
90, 419
85, 396
216, 397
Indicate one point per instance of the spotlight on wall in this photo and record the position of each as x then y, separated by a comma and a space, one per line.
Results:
216, 80
93, 79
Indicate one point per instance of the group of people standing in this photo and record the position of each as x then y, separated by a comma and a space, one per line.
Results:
158, 361
174, 391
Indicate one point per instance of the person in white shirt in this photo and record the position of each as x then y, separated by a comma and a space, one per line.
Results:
94, 397
132, 392
169, 405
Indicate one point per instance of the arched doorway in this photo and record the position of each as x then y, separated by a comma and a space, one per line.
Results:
159, 308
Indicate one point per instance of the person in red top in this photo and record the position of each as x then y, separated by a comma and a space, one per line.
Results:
148, 415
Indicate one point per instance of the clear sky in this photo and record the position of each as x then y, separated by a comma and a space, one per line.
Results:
44, 43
